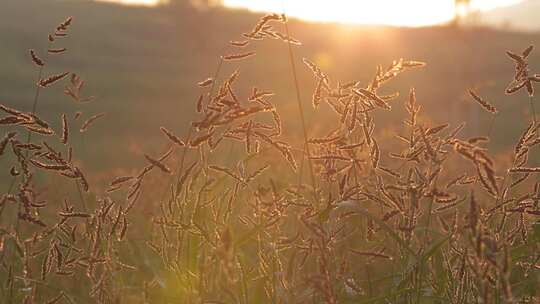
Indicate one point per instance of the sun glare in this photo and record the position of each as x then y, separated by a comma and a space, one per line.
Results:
379, 12
382, 12
134, 2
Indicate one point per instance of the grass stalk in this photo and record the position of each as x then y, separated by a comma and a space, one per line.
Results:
301, 110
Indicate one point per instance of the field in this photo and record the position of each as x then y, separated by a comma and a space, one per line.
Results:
203, 155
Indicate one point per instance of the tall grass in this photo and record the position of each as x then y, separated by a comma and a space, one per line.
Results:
433, 219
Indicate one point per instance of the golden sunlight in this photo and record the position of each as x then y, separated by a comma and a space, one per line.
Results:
378, 12
134, 2
381, 12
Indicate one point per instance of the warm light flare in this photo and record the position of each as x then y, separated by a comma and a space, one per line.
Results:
134, 2
383, 12
380, 12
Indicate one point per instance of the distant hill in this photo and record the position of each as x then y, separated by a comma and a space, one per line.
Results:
143, 64
522, 16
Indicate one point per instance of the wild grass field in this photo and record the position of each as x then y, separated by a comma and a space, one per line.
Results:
184, 155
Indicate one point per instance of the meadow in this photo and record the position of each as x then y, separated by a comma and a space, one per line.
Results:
184, 155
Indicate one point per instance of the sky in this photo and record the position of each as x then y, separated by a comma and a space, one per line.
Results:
387, 12
383, 12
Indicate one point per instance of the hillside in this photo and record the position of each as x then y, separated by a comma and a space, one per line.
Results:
522, 16
138, 75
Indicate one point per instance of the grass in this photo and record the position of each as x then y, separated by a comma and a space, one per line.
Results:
400, 206
119, 79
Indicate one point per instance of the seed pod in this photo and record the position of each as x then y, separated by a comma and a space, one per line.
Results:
175, 139
52, 79
35, 58
238, 56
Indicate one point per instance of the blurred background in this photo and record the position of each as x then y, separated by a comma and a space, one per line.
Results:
141, 59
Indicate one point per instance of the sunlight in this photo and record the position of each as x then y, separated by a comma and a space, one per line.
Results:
382, 12
134, 2
412, 13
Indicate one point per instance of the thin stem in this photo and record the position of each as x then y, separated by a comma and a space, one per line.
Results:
35, 103
77, 183
502, 195
14, 178
191, 129
491, 125
505, 180
301, 110
420, 265
81, 196
28, 138
301, 168
183, 158
533, 110
29, 135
